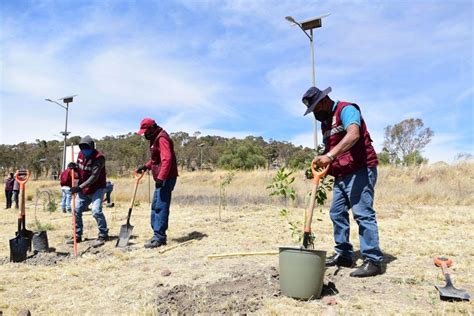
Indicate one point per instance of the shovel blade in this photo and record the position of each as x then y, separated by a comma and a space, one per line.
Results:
27, 234
18, 248
124, 236
450, 293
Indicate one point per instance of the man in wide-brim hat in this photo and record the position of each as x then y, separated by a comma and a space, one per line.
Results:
353, 163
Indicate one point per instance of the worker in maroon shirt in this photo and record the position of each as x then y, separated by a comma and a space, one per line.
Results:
165, 171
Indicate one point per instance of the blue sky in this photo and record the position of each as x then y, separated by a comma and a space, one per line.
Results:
235, 68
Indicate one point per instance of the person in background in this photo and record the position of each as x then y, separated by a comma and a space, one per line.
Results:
353, 163
66, 182
90, 189
16, 192
109, 187
165, 171
9, 183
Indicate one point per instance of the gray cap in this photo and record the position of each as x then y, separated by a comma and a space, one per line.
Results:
312, 97
87, 140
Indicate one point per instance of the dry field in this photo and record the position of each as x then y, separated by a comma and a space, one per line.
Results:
422, 213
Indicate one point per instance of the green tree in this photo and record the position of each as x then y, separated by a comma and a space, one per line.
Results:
243, 155
414, 158
406, 137
384, 157
301, 158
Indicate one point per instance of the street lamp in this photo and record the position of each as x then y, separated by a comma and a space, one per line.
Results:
201, 145
305, 25
65, 100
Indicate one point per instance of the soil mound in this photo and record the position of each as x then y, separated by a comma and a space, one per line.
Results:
240, 293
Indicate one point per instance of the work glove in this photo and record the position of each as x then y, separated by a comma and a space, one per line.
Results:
307, 240
158, 184
76, 189
142, 169
72, 165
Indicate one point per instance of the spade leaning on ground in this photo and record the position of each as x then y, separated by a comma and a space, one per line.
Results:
353, 163
165, 171
90, 189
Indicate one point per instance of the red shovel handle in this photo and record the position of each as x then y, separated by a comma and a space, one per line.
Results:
138, 176
318, 175
24, 179
440, 261
444, 263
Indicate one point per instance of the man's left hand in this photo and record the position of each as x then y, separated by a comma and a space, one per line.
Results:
76, 189
158, 184
322, 161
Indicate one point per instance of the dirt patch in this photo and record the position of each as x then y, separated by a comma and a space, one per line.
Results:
42, 258
54, 257
240, 293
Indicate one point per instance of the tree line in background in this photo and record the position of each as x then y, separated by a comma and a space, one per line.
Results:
402, 146
194, 152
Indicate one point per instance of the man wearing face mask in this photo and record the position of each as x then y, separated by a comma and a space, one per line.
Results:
90, 189
353, 163
165, 171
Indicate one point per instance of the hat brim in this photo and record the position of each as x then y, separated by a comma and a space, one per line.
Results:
142, 131
322, 96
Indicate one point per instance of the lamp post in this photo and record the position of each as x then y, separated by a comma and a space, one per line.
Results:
201, 145
65, 100
306, 25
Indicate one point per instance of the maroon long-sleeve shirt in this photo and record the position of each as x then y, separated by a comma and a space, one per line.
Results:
163, 159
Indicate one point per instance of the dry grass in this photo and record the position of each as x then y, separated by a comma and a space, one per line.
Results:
418, 219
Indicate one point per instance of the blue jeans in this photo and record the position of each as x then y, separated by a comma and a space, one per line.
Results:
160, 209
66, 199
9, 195
108, 192
82, 202
356, 191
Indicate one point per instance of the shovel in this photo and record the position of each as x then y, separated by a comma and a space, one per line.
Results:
126, 230
20, 245
307, 240
449, 292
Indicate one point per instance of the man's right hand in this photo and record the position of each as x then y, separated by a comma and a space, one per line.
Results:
141, 169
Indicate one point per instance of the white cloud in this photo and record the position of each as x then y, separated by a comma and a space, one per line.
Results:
304, 139
466, 94
111, 80
444, 147
395, 60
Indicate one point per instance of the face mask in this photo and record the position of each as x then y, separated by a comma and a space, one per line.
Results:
321, 116
87, 152
149, 133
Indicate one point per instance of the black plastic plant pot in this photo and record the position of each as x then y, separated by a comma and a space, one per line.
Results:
40, 241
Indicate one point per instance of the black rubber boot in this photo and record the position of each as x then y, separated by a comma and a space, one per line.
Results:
340, 261
367, 269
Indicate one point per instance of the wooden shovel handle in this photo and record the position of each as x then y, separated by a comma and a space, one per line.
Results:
138, 177
318, 175
22, 182
316, 178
